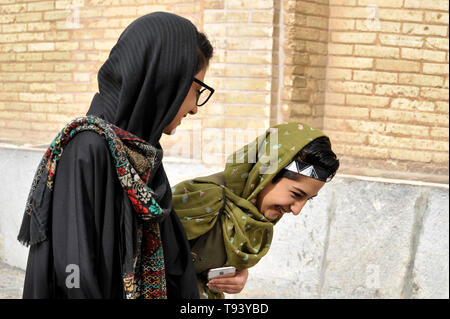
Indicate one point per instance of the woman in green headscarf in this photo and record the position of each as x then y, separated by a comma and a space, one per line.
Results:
229, 216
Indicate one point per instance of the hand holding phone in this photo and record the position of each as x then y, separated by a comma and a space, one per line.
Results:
221, 272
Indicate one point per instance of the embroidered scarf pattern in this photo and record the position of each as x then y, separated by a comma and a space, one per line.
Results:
135, 160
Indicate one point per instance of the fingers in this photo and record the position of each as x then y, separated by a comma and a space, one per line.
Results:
229, 289
231, 285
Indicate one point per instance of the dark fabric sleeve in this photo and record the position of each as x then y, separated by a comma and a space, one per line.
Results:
87, 220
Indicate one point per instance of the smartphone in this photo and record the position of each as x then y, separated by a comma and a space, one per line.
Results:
221, 272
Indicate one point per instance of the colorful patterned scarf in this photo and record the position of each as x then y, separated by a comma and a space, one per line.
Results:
231, 195
135, 161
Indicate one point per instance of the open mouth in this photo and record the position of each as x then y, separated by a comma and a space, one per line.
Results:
281, 210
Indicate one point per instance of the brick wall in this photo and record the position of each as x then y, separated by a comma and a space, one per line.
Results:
387, 85
373, 74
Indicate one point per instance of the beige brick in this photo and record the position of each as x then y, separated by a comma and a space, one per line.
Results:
317, 22
385, 26
441, 157
442, 107
318, 60
306, 33
350, 62
244, 85
441, 132
13, 67
43, 46
238, 110
401, 40
348, 12
391, 141
412, 105
67, 4
295, 94
58, 76
57, 35
248, 30
42, 5
223, 16
258, 98
12, 8
17, 27
407, 155
262, 17
39, 26
49, 56
340, 49
23, 125
29, 57
350, 87
436, 17
29, 17
297, 109
250, 57
14, 87
421, 54
420, 79
354, 125
437, 43
431, 118
434, 93
367, 100
432, 145
119, 11
376, 51
431, 68
397, 65
407, 129
342, 2
374, 76
400, 15
396, 90
56, 15
44, 108
382, 3
347, 111
345, 137
339, 74
335, 98
14, 106
11, 37
422, 29
244, 4
353, 37
32, 97
392, 115
342, 24
66, 46
43, 87
426, 4
248, 44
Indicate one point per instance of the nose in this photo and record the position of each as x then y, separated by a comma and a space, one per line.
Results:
194, 110
297, 207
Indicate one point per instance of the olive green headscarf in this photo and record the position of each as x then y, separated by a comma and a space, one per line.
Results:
247, 234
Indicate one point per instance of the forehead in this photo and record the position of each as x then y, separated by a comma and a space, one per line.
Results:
305, 183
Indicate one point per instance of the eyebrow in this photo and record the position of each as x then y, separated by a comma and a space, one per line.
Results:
303, 192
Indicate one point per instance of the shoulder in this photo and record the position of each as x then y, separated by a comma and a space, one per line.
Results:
87, 146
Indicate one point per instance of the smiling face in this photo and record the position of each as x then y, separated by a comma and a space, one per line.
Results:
189, 105
287, 195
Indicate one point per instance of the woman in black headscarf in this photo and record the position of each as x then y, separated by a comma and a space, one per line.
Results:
99, 218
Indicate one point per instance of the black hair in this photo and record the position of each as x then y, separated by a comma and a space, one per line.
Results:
317, 153
205, 51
